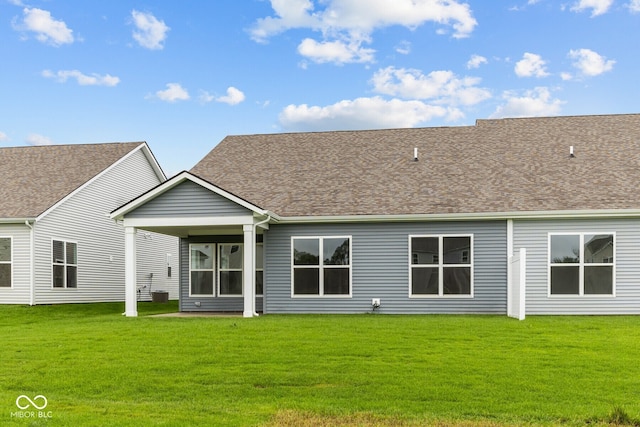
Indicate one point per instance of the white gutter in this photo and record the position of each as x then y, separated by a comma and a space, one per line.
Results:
32, 295
255, 227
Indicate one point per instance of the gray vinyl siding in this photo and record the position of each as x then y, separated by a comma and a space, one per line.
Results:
533, 235
19, 293
187, 303
380, 269
188, 199
83, 218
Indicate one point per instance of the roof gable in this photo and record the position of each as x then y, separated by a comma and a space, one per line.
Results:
496, 166
34, 179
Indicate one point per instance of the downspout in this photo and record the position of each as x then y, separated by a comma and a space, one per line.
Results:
255, 227
32, 295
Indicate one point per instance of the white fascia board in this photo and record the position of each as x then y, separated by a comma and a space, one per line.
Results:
173, 182
152, 161
483, 216
198, 221
143, 146
16, 220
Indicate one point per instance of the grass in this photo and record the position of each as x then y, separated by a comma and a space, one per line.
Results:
96, 367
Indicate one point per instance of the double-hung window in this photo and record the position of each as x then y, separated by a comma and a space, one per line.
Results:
230, 270
65, 264
5, 262
201, 269
259, 269
581, 264
441, 266
321, 266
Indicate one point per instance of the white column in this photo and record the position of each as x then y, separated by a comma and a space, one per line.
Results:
249, 271
131, 300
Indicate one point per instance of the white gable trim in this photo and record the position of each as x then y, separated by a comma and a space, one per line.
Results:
148, 154
178, 179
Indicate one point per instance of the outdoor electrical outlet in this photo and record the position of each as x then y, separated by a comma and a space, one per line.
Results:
375, 302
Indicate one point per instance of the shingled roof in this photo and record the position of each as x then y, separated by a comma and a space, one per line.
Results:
496, 166
32, 179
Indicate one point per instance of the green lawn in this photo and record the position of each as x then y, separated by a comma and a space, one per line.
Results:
96, 367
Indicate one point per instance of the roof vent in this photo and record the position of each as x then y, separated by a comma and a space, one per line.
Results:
571, 151
415, 154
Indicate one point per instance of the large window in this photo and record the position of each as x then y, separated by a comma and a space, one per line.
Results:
581, 264
65, 264
5, 262
441, 265
201, 269
321, 266
230, 269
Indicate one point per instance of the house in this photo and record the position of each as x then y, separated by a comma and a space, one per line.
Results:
57, 242
508, 216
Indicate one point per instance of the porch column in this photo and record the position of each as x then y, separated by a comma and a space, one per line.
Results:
249, 271
131, 300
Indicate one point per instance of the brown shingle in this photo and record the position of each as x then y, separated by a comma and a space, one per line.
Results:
32, 179
503, 165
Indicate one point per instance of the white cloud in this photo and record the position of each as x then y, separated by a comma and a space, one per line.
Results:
3, 137
634, 6
566, 76
404, 47
336, 51
83, 80
174, 92
590, 63
598, 6
150, 33
363, 113
536, 102
346, 24
233, 97
47, 29
443, 87
475, 61
36, 139
531, 65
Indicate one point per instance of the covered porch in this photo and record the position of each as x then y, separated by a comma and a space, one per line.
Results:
220, 243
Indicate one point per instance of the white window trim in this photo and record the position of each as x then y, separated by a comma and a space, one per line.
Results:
64, 264
219, 270
441, 266
321, 267
10, 262
581, 265
214, 285
259, 269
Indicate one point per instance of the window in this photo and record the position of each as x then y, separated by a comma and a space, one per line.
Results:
581, 264
259, 269
5, 262
321, 266
201, 269
441, 265
65, 264
230, 272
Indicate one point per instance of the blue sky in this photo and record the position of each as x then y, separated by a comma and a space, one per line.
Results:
183, 75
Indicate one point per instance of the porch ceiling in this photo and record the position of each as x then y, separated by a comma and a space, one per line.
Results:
186, 231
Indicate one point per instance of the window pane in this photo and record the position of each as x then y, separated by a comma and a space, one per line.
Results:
565, 280
456, 250
58, 276
259, 256
424, 250
58, 252
456, 281
5, 275
306, 281
565, 249
598, 280
336, 251
259, 285
5, 249
72, 277
598, 248
231, 257
424, 281
202, 282
306, 252
71, 253
231, 283
202, 257
336, 281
